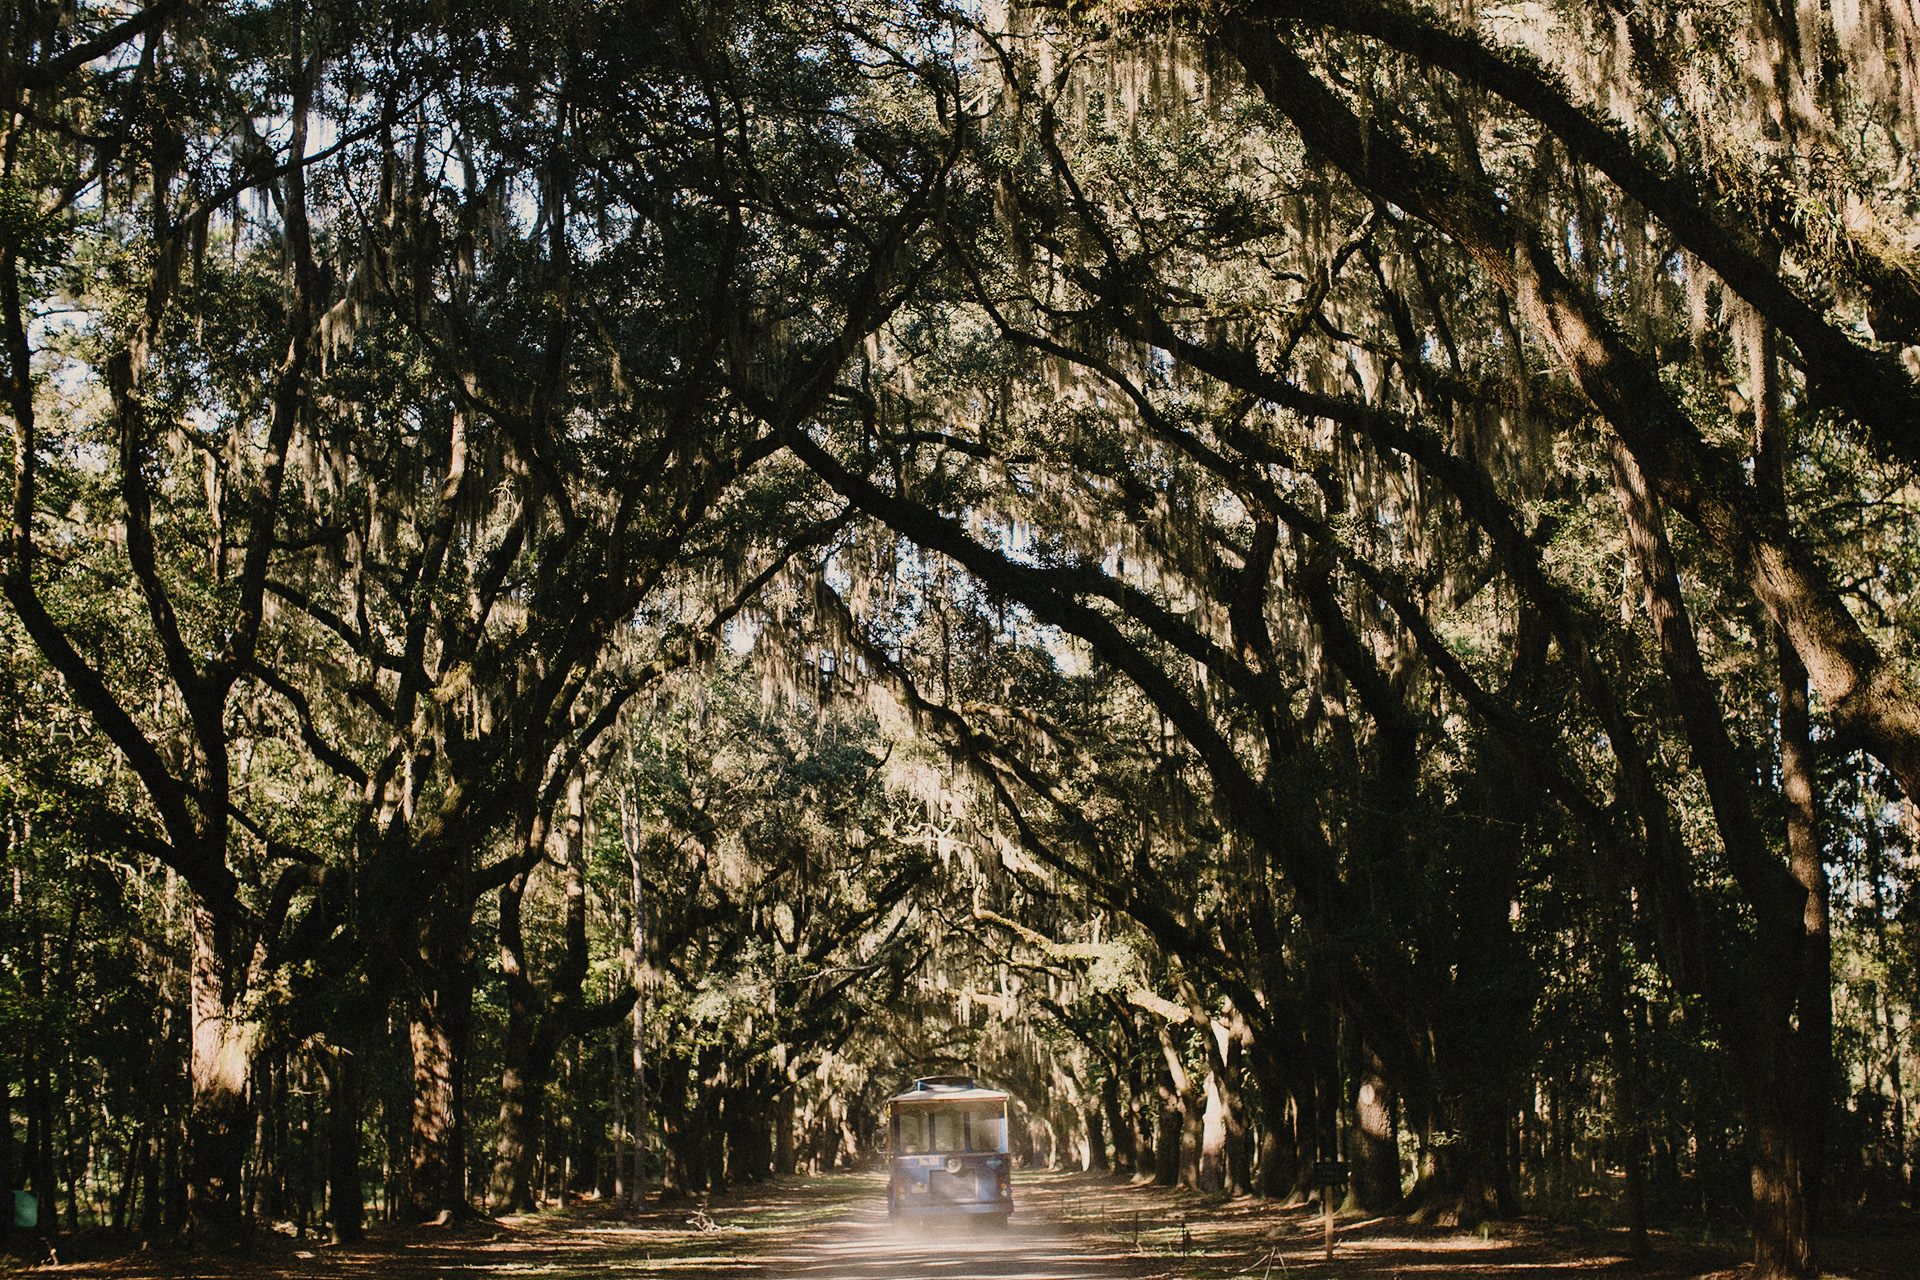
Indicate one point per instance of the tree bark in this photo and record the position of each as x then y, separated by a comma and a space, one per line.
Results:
440, 1010
1780, 1003
1117, 1124
630, 835
783, 1148
218, 1113
431, 1161
1376, 1157
1796, 1010
524, 1060
346, 1211
541, 1016
1172, 1125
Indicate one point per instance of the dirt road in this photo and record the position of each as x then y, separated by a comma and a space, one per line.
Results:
1068, 1227
861, 1244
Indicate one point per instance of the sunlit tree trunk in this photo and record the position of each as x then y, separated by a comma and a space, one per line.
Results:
1211, 1174
430, 1147
1093, 1119
219, 1116
1118, 1124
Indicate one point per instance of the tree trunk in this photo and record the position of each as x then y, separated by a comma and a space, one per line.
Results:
1166, 1148
1376, 1156
682, 1172
218, 1114
1118, 1125
630, 834
1140, 1122
1796, 1008
783, 1151
539, 1020
1210, 1174
430, 1156
522, 1093
346, 1213
1095, 1121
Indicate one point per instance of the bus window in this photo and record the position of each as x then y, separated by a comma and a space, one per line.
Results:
987, 1129
945, 1130
911, 1136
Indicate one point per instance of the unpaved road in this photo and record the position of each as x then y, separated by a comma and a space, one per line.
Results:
862, 1244
1068, 1227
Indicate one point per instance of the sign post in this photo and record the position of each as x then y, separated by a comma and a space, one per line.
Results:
1329, 1174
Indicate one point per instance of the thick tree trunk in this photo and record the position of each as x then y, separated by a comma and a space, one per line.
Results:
438, 1028
1172, 1124
1470, 1180
1118, 1124
540, 1019
1140, 1120
219, 1118
1783, 1184
346, 1203
1287, 1177
1234, 1095
683, 1172
1211, 1175
522, 1099
1789, 1111
1376, 1155
431, 1158
783, 1149
1095, 1121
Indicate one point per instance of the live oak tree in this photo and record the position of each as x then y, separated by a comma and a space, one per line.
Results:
1126, 295
1378, 538
411, 509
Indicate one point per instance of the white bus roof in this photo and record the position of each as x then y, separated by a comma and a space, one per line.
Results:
940, 1089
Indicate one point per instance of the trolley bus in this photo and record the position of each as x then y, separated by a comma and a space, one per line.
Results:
948, 1138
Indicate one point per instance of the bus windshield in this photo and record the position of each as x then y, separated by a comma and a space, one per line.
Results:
977, 1126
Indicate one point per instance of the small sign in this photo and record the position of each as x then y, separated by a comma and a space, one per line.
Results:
26, 1211
1329, 1173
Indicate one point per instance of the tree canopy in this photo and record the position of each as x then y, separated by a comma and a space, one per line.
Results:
600, 584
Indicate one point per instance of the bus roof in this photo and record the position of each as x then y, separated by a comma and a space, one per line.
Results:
948, 1089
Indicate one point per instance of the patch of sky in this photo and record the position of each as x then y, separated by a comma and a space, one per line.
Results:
741, 634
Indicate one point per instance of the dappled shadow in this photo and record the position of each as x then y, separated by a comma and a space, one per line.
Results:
865, 1245
1066, 1227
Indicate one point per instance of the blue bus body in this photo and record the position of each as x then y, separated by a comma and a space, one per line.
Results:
948, 1138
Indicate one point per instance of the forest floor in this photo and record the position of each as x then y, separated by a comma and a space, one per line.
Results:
1069, 1227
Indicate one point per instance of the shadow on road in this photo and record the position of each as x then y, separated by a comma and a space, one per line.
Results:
863, 1244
